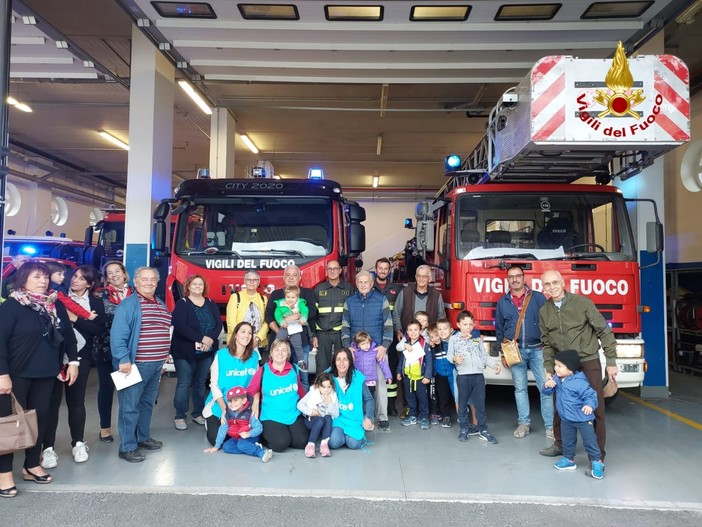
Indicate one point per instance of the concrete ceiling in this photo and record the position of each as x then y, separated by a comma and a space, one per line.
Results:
309, 92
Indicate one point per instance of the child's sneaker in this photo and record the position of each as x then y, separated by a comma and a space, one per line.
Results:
487, 436
49, 458
324, 449
473, 430
435, 419
463, 435
384, 426
446, 422
309, 450
409, 421
267, 455
597, 470
424, 423
565, 464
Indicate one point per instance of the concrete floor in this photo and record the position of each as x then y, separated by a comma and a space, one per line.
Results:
651, 463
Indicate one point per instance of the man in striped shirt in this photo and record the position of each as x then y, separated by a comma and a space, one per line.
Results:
140, 337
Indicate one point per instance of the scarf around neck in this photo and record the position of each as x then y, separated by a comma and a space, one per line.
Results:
43, 304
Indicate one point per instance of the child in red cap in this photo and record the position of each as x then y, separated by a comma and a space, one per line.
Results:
240, 429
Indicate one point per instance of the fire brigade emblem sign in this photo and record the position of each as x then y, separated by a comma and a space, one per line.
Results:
619, 98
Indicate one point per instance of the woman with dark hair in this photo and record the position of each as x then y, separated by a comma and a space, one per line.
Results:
35, 333
356, 404
116, 289
196, 328
84, 282
277, 385
232, 366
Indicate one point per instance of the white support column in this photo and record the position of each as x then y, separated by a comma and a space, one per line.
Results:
149, 169
649, 184
222, 135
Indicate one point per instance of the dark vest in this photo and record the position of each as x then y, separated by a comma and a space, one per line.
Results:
366, 314
408, 299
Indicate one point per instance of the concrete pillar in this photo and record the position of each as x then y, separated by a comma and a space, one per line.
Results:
222, 130
650, 185
149, 169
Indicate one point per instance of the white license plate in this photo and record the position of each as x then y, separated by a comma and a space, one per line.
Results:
629, 368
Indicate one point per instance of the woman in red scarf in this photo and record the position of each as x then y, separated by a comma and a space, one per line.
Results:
35, 332
116, 289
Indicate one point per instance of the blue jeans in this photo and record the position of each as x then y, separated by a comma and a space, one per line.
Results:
243, 446
136, 404
339, 439
317, 426
471, 390
533, 358
569, 431
191, 374
417, 397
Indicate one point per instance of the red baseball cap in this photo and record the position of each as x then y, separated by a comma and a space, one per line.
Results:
237, 391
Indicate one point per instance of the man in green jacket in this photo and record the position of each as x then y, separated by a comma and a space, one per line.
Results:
570, 321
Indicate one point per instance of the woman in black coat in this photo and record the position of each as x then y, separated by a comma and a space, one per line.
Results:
35, 333
197, 324
84, 282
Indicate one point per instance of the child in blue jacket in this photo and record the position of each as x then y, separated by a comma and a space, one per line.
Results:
240, 429
575, 401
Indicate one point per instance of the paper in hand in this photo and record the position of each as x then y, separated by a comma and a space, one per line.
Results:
123, 380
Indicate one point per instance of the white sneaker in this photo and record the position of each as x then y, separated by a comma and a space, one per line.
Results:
49, 458
199, 420
80, 452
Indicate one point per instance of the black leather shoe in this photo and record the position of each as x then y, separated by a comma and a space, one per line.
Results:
107, 439
133, 456
151, 444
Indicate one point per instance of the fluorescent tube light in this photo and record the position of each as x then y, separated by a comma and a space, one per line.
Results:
375, 181
187, 88
112, 139
249, 143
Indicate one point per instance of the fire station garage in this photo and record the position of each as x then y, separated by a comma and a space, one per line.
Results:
488, 141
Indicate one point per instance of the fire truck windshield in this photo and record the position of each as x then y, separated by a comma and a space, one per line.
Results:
257, 226
543, 225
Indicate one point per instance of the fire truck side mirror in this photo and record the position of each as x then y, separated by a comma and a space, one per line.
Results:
88, 238
654, 237
160, 236
357, 239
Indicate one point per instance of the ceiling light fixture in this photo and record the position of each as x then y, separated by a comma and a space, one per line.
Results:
112, 139
187, 88
379, 145
376, 180
19, 105
688, 16
249, 143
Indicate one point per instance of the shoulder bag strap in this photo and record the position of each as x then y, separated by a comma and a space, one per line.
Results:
521, 316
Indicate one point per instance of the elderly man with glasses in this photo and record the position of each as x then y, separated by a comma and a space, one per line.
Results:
507, 313
571, 321
330, 296
419, 296
249, 305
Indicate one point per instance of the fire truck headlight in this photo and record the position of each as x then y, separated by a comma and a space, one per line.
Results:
630, 351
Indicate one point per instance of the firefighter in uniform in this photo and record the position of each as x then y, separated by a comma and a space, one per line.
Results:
330, 296
390, 290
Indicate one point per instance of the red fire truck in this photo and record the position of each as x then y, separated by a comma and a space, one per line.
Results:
225, 227
517, 198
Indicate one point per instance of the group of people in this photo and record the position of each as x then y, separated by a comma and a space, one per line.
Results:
51, 333
352, 344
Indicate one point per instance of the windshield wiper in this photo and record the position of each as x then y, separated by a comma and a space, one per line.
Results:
213, 251
291, 252
588, 256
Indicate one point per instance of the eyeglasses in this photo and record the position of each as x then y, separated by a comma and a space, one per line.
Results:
513, 276
549, 285
333, 268
253, 280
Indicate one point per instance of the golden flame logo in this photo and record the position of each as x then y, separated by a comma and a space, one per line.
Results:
619, 98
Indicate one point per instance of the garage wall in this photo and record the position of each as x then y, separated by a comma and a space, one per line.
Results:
683, 243
34, 215
385, 229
